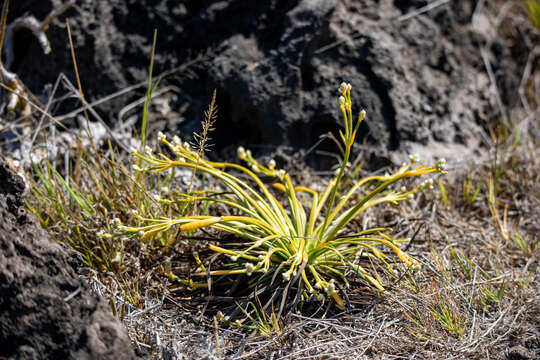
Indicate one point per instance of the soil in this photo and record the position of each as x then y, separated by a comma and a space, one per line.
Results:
46, 311
277, 66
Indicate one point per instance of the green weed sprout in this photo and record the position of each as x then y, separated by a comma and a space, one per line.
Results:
313, 245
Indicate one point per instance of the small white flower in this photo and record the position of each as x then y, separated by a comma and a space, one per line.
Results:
343, 87
441, 165
403, 189
136, 167
254, 167
410, 196
272, 164
414, 158
164, 189
176, 140
186, 145
234, 258
282, 172
161, 136
248, 153
156, 197
250, 267
341, 101
132, 150
148, 150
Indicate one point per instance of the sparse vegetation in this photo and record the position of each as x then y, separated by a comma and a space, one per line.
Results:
534, 12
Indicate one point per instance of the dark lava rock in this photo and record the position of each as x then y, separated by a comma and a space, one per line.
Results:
46, 311
277, 65
520, 353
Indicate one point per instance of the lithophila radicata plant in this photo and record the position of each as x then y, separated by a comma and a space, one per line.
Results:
310, 244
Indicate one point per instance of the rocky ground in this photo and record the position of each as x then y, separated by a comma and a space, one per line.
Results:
432, 82
46, 311
421, 77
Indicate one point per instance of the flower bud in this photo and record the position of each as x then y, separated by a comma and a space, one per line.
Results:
286, 276
220, 316
241, 152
